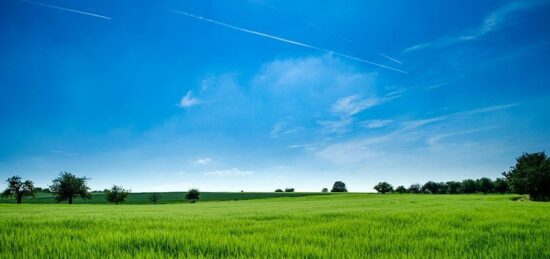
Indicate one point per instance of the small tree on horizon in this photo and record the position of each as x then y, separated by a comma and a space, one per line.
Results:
469, 186
324, 190
289, 189
414, 188
453, 187
192, 195
383, 187
485, 185
67, 186
19, 189
278, 190
116, 194
501, 185
339, 186
401, 189
154, 198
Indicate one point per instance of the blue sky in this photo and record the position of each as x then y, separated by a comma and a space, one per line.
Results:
257, 95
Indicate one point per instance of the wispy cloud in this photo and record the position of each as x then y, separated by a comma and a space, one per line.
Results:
492, 22
188, 100
269, 36
434, 140
229, 172
66, 9
374, 124
351, 105
283, 128
203, 161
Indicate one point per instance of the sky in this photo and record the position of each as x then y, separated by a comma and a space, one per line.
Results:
256, 95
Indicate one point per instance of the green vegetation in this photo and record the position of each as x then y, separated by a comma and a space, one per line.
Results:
166, 197
328, 226
19, 189
116, 194
68, 186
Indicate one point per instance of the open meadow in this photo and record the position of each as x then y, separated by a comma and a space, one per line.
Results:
336, 226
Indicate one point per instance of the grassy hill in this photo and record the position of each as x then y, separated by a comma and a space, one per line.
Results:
320, 226
169, 197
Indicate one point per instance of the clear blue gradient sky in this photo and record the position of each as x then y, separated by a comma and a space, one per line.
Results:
262, 94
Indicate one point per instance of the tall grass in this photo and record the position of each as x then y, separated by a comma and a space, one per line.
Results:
334, 226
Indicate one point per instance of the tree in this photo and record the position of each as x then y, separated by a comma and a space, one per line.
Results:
325, 190
469, 186
485, 185
116, 194
154, 198
289, 189
501, 185
279, 190
531, 175
401, 189
19, 189
67, 186
192, 195
414, 188
453, 187
383, 187
431, 187
339, 186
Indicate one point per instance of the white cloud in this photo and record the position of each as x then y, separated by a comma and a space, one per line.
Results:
351, 105
374, 124
340, 126
283, 128
203, 161
491, 22
229, 172
188, 100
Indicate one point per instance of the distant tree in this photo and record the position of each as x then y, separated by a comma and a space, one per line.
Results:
154, 198
501, 185
67, 186
414, 188
453, 187
443, 188
469, 186
289, 189
430, 186
116, 194
485, 185
192, 195
279, 190
339, 186
383, 187
531, 175
325, 190
401, 189
18, 188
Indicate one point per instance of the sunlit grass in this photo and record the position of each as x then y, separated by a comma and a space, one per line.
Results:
350, 225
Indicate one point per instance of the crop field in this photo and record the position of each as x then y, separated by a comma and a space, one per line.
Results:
169, 197
327, 226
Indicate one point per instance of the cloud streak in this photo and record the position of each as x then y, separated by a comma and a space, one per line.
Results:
66, 9
188, 100
288, 41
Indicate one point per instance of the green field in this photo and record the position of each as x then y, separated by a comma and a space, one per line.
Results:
169, 197
329, 226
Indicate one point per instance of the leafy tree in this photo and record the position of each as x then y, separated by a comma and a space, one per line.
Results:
531, 175
154, 198
453, 187
414, 188
18, 188
278, 190
192, 195
485, 185
430, 186
289, 190
383, 187
339, 186
469, 186
116, 194
442, 188
501, 185
401, 189
325, 190
67, 186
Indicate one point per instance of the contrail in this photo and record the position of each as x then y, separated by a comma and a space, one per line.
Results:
286, 40
66, 9
390, 58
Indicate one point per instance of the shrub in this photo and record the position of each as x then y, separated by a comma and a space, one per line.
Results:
339, 186
116, 194
383, 187
192, 195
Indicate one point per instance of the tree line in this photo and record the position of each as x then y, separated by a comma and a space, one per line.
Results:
530, 175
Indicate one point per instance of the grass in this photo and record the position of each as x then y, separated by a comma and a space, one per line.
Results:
168, 197
333, 226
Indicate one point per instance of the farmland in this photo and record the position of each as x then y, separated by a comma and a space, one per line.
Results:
347, 225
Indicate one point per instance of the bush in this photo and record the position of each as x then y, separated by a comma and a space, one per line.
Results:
289, 190
192, 195
116, 194
154, 198
278, 190
325, 190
